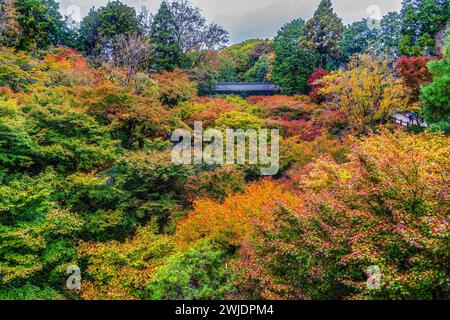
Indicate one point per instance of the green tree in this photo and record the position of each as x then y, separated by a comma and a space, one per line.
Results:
101, 27
258, 73
167, 53
388, 36
323, 32
435, 96
357, 38
293, 65
40, 23
37, 237
138, 187
237, 59
226, 69
198, 273
422, 20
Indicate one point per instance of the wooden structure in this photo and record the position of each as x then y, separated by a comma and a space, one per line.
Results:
247, 88
408, 120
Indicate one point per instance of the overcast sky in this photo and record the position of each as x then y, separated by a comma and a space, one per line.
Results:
246, 19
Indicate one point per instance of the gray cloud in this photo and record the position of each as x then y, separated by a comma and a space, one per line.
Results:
246, 19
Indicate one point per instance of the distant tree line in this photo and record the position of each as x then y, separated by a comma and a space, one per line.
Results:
178, 37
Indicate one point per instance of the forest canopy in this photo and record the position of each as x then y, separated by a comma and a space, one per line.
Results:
87, 179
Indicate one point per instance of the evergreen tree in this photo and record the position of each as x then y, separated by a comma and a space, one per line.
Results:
258, 73
435, 96
39, 24
357, 38
388, 36
323, 32
422, 20
101, 27
163, 35
293, 64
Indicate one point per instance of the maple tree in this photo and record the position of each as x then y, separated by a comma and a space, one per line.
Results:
315, 84
414, 72
87, 177
366, 94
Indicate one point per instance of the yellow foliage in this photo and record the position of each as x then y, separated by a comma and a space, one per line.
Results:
119, 270
367, 93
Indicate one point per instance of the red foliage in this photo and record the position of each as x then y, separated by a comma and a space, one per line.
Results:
307, 130
315, 85
260, 49
283, 107
74, 64
208, 110
294, 116
6, 92
175, 87
414, 72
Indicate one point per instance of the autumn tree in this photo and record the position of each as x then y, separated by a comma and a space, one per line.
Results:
133, 118
414, 72
121, 270
366, 94
323, 249
9, 26
175, 87
195, 37
232, 221
323, 32
315, 84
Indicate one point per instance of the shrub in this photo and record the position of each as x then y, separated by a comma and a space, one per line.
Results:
199, 273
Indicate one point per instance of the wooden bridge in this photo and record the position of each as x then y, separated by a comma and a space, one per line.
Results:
247, 88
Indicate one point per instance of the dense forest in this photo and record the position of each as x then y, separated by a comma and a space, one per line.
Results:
86, 177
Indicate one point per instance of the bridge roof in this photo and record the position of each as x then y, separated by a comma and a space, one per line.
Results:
246, 86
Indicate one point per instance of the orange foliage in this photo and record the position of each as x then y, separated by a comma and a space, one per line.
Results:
232, 221
68, 67
175, 87
208, 110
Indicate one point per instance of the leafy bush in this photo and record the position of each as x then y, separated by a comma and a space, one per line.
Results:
122, 270
197, 274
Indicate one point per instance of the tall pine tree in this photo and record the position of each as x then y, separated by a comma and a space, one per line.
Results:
38, 24
357, 38
323, 32
167, 53
293, 64
435, 96
422, 20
